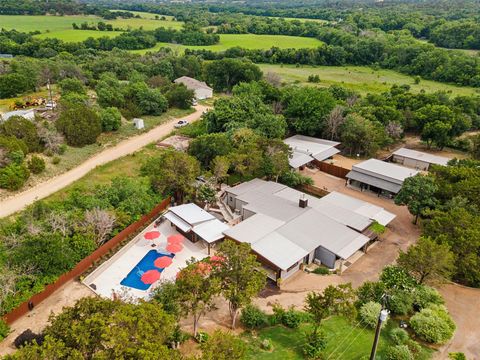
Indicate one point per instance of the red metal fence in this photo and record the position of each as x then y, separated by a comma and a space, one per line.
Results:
85, 264
331, 169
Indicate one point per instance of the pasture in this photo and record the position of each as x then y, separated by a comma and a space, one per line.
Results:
360, 78
61, 26
247, 41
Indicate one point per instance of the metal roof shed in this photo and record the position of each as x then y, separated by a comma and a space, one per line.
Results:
211, 231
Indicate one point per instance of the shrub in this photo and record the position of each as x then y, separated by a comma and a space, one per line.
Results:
313, 79
111, 119
399, 352
321, 271
399, 336
369, 313
36, 164
56, 160
370, 291
423, 296
4, 329
201, 337
394, 277
22, 129
400, 303
17, 157
266, 344
179, 96
80, 124
292, 318
433, 324
457, 356
28, 337
315, 344
253, 318
13, 176
278, 312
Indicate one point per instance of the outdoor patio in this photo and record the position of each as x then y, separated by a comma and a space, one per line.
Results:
106, 280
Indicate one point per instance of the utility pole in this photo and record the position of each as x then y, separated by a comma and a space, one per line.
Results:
381, 318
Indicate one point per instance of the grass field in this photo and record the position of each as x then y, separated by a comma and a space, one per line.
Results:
344, 342
247, 41
360, 78
147, 15
61, 26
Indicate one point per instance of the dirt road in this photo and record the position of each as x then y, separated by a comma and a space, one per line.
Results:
19, 201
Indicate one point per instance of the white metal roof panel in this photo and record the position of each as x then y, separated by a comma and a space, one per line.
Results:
298, 159
191, 213
374, 181
385, 170
266, 187
279, 250
351, 247
422, 156
343, 216
174, 219
253, 229
326, 154
211, 231
271, 205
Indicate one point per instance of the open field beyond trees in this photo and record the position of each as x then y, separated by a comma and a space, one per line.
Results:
360, 78
246, 41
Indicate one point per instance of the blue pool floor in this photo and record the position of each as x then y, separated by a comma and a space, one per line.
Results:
133, 279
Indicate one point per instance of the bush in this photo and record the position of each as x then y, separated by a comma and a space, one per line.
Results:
399, 352
369, 313
22, 129
266, 344
13, 176
433, 324
111, 119
179, 96
321, 271
370, 291
4, 329
394, 277
399, 336
36, 164
202, 337
28, 337
424, 296
56, 160
253, 318
457, 356
292, 318
80, 124
400, 303
315, 344
313, 79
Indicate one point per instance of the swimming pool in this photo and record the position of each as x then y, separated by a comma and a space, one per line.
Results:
133, 278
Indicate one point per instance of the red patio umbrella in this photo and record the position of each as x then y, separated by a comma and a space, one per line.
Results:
174, 248
151, 235
163, 262
175, 239
150, 276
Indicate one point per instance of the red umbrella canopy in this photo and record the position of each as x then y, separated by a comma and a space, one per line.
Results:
150, 276
151, 235
163, 262
174, 248
175, 239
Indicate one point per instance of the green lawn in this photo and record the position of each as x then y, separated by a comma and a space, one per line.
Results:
146, 15
360, 78
344, 341
247, 41
61, 26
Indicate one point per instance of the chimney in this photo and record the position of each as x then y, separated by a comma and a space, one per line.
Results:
302, 202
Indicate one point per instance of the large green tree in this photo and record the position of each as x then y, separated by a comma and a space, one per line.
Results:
80, 124
206, 147
172, 173
22, 129
361, 136
417, 193
240, 276
428, 261
224, 74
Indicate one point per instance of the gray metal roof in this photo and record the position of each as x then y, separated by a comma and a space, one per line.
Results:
266, 187
422, 156
271, 205
384, 170
211, 231
254, 228
307, 148
191, 213
192, 83
361, 207
374, 181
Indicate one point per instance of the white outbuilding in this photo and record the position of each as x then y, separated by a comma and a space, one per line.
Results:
200, 88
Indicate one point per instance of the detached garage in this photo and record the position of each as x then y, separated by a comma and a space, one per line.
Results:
417, 159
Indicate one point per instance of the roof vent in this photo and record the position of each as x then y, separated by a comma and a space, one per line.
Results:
302, 202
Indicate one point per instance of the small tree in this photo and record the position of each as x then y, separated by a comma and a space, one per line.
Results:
179, 96
223, 346
101, 222
80, 124
417, 194
36, 164
433, 324
240, 276
428, 261
13, 176
111, 119
369, 313
196, 291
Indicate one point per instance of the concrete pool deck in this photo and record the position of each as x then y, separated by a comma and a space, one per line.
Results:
107, 277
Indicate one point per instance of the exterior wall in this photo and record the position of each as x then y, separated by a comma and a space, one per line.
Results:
286, 274
411, 163
231, 200
326, 257
239, 205
246, 214
201, 94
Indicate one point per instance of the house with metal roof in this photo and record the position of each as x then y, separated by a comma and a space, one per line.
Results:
380, 177
305, 149
27, 114
287, 228
417, 159
200, 88
196, 224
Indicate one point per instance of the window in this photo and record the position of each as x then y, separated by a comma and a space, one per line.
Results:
292, 267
